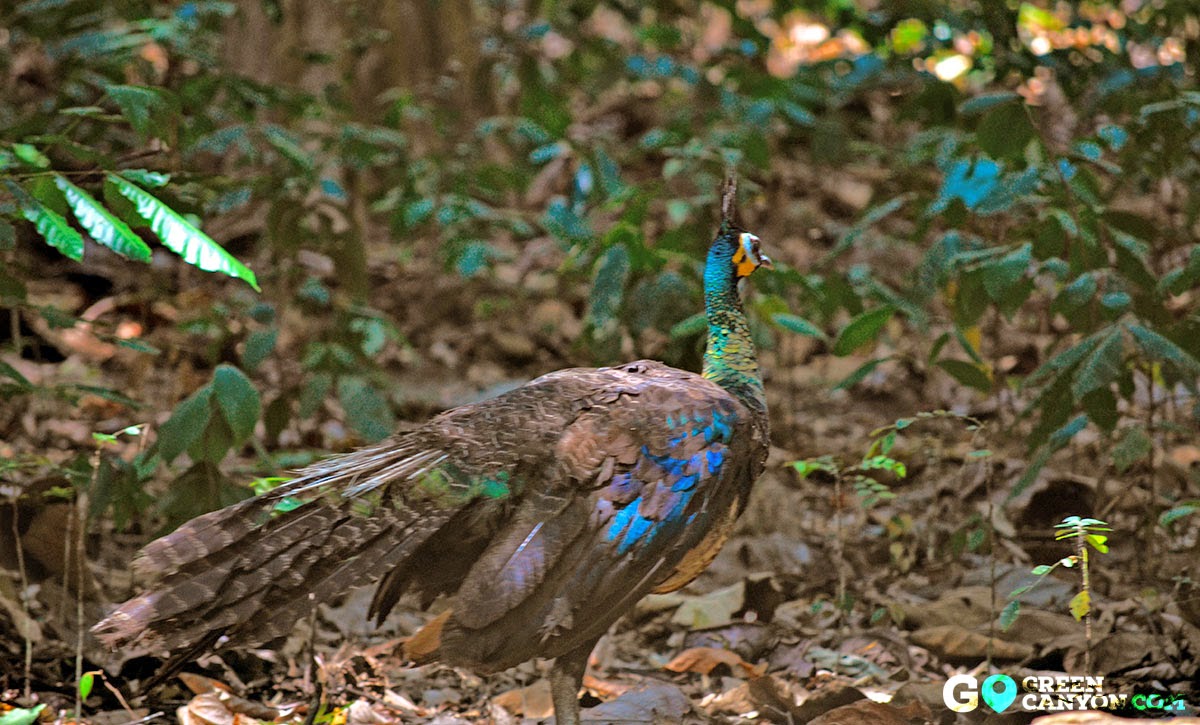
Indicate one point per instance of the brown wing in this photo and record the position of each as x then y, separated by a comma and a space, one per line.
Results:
639, 480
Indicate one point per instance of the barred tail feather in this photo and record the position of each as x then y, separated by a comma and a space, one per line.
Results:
246, 571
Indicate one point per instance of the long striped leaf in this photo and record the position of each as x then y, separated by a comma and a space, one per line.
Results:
101, 224
49, 223
181, 236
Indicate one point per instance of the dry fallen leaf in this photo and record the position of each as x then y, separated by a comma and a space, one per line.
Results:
361, 712
955, 642
868, 712
210, 693
604, 689
533, 701
705, 659
199, 684
648, 702
206, 709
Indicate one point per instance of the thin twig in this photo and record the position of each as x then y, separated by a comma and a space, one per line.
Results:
839, 549
1081, 548
80, 511
1148, 529
16, 531
14, 323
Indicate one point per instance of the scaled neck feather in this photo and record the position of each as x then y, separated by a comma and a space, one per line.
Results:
729, 360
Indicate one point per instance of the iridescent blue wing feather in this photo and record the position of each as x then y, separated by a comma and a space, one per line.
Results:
637, 483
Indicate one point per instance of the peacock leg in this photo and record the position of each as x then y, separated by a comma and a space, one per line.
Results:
566, 677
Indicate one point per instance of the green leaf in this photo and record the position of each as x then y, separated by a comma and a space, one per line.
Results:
1064, 360
106, 393
277, 416
967, 347
141, 106
1055, 441
1130, 260
1063, 435
608, 287
85, 684
49, 223
214, 441
134, 343
689, 327
1100, 368
1158, 347
375, 334
1004, 131
417, 211
238, 400
313, 393
564, 224
1040, 570
1183, 510
101, 224
1008, 615
145, 177
1099, 542
1101, 407
288, 145
22, 716
366, 409
862, 372
8, 371
1080, 605
8, 236
186, 424
1132, 445
970, 375
259, 345
180, 236
987, 101
798, 114
30, 155
1076, 294
798, 325
887, 443
862, 330
1002, 274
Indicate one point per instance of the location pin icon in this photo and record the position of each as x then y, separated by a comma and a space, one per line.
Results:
1000, 697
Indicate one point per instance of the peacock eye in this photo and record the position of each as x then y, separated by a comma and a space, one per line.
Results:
750, 245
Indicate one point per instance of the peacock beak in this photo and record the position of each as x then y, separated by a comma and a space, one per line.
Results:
765, 261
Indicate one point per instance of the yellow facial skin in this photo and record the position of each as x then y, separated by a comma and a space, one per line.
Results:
745, 261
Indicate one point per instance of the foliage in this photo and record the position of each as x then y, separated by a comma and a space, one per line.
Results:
1086, 532
1027, 164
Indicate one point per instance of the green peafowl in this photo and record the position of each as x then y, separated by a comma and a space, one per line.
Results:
544, 514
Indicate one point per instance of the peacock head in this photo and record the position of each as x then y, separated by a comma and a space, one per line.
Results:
739, 249
733, 245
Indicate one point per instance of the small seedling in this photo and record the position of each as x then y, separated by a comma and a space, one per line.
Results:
107, 438
1086, 533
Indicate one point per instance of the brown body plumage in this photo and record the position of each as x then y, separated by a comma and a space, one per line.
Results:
543, 514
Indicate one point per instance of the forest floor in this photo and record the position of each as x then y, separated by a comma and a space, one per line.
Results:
821, 608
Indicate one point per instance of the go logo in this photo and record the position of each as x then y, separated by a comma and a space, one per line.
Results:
962, 692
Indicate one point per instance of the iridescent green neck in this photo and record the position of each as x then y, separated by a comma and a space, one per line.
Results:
729, 360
